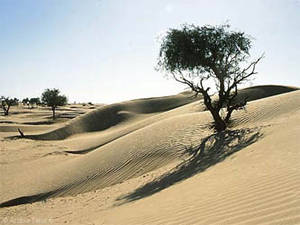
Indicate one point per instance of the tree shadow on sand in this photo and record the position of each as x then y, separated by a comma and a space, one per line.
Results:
212, 150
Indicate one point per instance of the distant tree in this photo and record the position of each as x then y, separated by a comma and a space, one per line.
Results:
7, 102
25, 101
34, 101
51, 97
197, 55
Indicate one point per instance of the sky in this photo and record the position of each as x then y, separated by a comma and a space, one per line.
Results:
105, 51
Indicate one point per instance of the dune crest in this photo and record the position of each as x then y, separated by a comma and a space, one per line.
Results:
248, 174
112, 115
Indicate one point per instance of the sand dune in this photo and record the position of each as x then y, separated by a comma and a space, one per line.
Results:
263, 91
259, 185
145, 155
120, 119
112, 115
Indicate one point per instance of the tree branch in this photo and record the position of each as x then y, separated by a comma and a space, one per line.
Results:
242, 76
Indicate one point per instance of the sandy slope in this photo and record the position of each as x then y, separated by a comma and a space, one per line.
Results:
129, 165
259, 185
114, 114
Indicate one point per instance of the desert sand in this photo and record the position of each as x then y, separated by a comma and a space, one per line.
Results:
153, 161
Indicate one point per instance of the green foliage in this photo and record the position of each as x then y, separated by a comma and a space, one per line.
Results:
51, 97
196, 56
36, 101
200, 50
7, 102
25, 101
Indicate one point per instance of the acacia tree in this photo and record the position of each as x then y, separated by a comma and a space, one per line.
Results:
196, 56
25, 101
34, 101
51, 97
7, 102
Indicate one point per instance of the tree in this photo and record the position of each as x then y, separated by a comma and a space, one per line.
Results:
51, 97
7, 102
197, 55
25, 101
34, 101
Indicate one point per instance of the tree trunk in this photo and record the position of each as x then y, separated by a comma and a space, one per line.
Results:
220, 124
6, 110
53, 113
227, 118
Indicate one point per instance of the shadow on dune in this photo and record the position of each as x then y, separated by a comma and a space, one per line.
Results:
26, 199
212, 150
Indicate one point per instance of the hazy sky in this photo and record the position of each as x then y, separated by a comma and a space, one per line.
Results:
106, 50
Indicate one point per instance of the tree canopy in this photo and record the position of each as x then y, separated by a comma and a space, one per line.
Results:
25, 101
196, 56
33, 101
7, 102
52, 98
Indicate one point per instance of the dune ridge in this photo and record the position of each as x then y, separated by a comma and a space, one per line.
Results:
137, 154
89, 143
248, 174
111, 115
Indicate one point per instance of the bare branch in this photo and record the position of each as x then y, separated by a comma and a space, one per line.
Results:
227, 64
21, 133
253, 65
242, 76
